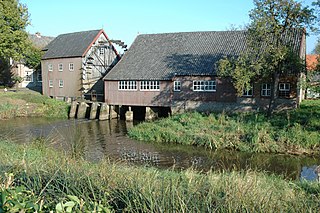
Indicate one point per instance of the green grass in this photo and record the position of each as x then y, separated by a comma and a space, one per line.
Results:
294, 131
27, 103
34, 177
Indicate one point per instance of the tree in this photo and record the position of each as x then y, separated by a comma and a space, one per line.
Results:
269, 53
33, 57
14, 40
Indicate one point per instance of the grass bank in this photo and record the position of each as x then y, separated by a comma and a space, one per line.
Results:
295, 131
35, 178
28, 103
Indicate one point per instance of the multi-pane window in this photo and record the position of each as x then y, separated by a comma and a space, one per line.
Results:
150, 85
284, 89
204, 86
248, 92
28, 76
127, 85
60, 83
50, 83
266, 90
60, 67
50, 67
71, 66
177, 86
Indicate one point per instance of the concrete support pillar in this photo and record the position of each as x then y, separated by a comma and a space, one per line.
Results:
93, 111
82, 110
73, 109
129, 115
150, 114
67, 99
114, 112
104, 112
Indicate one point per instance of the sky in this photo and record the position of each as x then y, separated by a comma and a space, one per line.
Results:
125, 19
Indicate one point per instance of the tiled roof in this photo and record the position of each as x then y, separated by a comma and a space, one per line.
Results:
162, 56
70, 45
312, 61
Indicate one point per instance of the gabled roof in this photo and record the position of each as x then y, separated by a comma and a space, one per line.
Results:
162, 56
71, 44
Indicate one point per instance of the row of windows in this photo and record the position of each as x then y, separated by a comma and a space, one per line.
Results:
144, 85
205, 86
155, 85
61, 83
60, 67
284, 90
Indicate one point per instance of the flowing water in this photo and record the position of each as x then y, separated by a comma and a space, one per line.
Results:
97, 140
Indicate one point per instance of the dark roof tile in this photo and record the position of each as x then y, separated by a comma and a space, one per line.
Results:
161, 56
70, 45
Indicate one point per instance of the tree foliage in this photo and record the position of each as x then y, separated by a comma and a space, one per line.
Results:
13, 22
270, 52
33, 57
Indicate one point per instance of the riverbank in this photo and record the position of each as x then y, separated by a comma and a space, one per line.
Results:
27, 103
295, 131
35, 178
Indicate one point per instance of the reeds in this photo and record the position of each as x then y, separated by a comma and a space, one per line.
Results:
292, 131
51, 180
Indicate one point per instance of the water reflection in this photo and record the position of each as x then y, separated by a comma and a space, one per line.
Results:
94, 141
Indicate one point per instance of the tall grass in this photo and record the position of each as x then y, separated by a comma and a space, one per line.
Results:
24, 104
295, 131
52, 180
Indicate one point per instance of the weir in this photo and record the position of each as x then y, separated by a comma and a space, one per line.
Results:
103, 111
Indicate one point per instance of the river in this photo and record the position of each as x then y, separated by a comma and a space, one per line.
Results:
97, 140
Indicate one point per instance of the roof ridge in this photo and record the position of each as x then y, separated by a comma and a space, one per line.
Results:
85, 31
193, 32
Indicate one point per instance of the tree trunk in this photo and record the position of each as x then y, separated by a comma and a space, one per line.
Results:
274, 93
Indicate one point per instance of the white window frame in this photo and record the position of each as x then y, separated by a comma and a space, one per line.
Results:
248, 93
266, 90
150, 85
60, 67
127, 85
284, 90
50, 83
71, 66
50, 67
28, 77
284, 87
61, 83
204, 86
177, 86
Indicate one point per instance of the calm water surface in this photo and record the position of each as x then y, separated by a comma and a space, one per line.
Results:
107, 139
